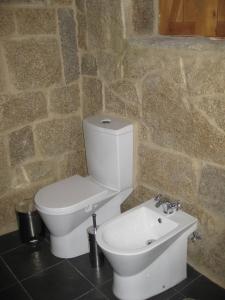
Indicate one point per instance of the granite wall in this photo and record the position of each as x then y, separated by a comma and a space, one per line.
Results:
174, 90
41, 109
63, 60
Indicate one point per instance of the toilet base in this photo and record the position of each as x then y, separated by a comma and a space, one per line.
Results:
76, 242
165, 272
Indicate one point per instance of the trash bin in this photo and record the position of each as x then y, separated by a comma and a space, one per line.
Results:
31, 227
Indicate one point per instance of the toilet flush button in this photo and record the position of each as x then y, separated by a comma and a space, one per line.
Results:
88, 208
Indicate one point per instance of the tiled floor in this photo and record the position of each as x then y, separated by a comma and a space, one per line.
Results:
34, 273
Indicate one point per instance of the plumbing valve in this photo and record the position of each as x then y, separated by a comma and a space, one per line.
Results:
195, 236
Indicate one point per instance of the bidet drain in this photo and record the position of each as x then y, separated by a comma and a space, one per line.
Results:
149, 242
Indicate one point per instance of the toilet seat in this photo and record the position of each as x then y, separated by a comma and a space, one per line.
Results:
69, 195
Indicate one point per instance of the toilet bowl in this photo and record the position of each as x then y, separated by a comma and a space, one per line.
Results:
147, 250
67, 205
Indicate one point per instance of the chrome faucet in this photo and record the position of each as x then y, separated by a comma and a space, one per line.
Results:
159, 200
168, 206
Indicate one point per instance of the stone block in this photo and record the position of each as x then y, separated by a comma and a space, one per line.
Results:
140, 60
214, 107
133, 111
97, 31
80, 4
22, 109
5, 181
206, 253
126, 90
61, 2
143, 16
115, 23
8, 221
36, 21
204, 72
176, 124
67, 30
212, 189
7, 205
169, 173
104, 23
22, 2
108, 66
114, 104
92, 96
140, 195
21, 145
73, 163
65, 99
2, 75
88, 64
7, 22
26, 174
143, 132
7, 215
58, 136
82, 31
40, 170
33, 62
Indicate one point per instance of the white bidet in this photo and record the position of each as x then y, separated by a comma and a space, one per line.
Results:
147, 250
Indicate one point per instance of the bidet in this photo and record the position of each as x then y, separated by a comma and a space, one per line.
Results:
147, 249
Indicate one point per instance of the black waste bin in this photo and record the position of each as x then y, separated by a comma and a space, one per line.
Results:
31, 227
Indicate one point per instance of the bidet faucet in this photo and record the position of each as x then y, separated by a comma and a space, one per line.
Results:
168, 206
159, 200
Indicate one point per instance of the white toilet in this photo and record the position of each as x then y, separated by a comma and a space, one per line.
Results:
66, 206
147, 250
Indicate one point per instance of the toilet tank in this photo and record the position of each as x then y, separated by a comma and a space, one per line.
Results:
109, 150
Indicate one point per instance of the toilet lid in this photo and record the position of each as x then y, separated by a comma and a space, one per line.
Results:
69, 195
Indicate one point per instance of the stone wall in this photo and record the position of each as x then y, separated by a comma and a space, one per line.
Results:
62, 60
41, 107
181, 146
174, 91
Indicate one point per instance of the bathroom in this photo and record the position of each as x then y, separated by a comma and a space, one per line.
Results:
64, 60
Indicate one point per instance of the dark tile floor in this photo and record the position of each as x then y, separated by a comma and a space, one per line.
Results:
34, 273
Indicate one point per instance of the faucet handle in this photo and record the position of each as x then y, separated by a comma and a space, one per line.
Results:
157, 197
195, 236
178, 205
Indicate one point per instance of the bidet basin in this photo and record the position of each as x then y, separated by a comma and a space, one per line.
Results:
139, 236
137, 230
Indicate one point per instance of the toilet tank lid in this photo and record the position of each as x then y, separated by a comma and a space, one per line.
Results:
69, 195
109, 124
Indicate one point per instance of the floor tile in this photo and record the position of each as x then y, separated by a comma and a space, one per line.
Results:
9, 241
191, 275
46, 277
59, 282
165, 295
28, 260
93, 295
203, 289
96, 276
106, 289
14, 293
179, 296
6, 277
